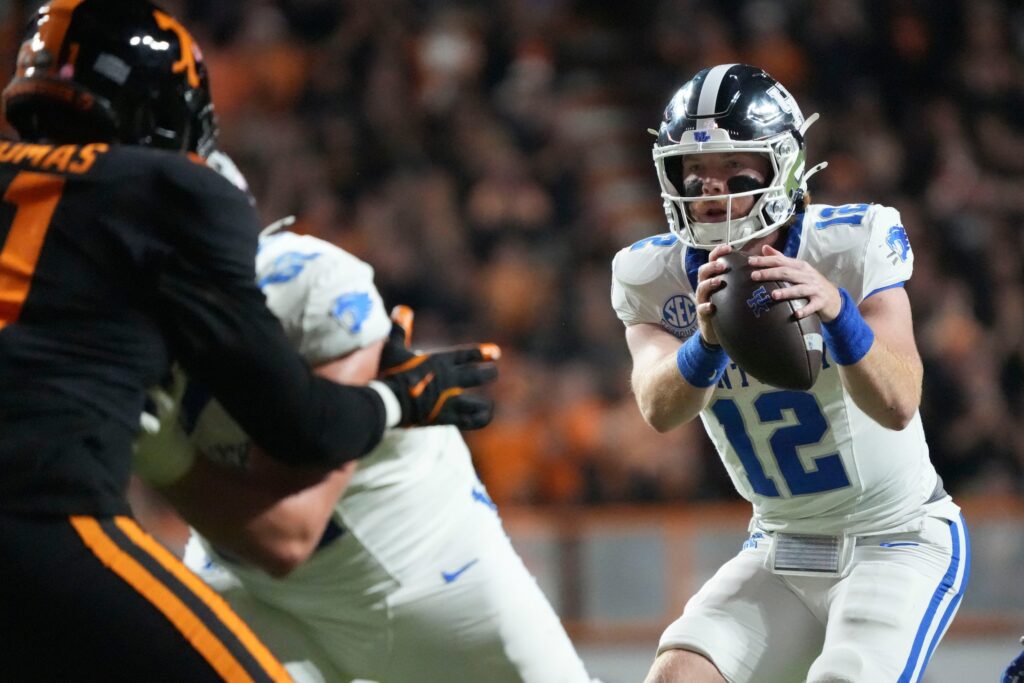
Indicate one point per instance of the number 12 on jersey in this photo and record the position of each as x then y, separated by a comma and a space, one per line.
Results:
811, 426
35, 197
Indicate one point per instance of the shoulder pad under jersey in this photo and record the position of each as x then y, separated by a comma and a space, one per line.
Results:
645, 261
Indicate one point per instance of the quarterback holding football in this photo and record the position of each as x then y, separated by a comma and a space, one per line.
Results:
857, 557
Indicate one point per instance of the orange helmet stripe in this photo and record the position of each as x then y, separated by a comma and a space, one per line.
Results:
187, 61
53, 28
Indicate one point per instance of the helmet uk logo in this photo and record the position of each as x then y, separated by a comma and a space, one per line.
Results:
759, 302
899, 244
679, 315
701, 136
351, 310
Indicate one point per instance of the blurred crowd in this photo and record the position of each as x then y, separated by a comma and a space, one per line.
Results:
489, 158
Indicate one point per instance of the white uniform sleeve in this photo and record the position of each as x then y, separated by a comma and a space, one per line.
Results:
343, 310
638, 278
627, 304
650, 286
334, 309
888, 259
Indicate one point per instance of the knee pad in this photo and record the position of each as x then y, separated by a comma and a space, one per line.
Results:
837, 665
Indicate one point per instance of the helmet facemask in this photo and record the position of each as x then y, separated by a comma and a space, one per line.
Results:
738, 109
774, 202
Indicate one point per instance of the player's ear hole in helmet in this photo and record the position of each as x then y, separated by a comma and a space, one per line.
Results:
733, 108
110, 70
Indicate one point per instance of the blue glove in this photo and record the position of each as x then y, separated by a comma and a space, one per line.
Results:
1015, 672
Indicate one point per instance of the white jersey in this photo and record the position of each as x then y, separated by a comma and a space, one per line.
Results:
415, 579
329, 306
810, 462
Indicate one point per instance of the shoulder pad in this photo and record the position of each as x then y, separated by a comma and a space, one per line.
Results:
647, 259
191, 174
881, 214
284, 255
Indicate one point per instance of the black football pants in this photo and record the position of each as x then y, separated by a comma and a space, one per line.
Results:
97, 599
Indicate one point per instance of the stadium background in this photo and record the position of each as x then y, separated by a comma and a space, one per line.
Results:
489, 158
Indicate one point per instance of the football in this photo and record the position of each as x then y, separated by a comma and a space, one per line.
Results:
761, 335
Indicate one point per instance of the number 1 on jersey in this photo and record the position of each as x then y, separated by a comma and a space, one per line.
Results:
35, 197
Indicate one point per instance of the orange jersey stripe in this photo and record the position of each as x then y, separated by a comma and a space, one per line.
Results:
209, 597
160, 596
36, 196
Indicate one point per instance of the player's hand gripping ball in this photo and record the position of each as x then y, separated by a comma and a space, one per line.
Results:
761, 335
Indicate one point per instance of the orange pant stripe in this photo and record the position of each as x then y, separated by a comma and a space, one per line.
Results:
209, 597
161, 596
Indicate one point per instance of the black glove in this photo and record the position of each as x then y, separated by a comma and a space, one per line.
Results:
430, 386
396, 351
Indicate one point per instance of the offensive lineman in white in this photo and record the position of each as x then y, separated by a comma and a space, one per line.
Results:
414, 579
857, 558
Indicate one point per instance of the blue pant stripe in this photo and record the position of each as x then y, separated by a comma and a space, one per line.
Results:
944, 587
951, 608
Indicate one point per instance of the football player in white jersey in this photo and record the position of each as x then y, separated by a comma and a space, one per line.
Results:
410, 576
857, 558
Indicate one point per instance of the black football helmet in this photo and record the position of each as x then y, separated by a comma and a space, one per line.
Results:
733, 108
117, 70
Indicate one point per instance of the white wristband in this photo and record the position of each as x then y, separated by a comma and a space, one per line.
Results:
392, 408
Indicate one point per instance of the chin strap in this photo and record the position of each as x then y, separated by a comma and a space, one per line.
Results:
279, 224
803, 131
814, 169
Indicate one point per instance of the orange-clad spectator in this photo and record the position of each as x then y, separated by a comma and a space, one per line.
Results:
490, 162
508, 454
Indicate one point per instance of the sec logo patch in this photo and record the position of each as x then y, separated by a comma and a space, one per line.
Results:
679, 315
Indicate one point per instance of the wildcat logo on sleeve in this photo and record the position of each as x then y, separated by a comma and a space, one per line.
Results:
286, 268
351, 310
898, 243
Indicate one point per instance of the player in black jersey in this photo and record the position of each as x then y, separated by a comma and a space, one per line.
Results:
120, 252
